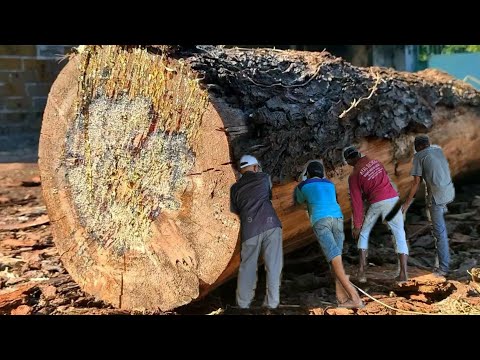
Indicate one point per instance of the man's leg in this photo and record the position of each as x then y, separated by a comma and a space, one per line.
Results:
338, 233
429, 218
326, 229
371, 218
354, 299
272, 250
397, 228
247, 273
339, 237
441, 237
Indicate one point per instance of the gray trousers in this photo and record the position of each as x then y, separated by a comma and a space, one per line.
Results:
270, 244
436, 216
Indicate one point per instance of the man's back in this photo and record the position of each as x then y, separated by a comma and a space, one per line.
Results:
436, 171
371, 177
250, 198
432, 165
370, 181
321, 198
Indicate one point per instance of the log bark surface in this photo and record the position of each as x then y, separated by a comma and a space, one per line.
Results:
137, 145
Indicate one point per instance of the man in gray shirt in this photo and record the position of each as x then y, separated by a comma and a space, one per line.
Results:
430, 164
261, 232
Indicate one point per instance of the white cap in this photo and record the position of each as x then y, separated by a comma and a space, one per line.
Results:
247, 160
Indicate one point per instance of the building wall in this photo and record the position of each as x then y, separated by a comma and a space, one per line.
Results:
465, 66
26, 75
360, 55
389, 56
399, 57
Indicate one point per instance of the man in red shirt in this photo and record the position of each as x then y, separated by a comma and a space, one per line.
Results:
370, 182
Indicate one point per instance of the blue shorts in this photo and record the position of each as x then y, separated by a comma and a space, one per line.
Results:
330, 235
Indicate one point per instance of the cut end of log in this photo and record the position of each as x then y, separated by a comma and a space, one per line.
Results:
136, 163
131, 144
120, 173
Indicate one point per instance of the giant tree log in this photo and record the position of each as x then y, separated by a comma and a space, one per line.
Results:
137, 147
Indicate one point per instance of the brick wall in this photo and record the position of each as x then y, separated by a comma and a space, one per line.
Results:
26, 75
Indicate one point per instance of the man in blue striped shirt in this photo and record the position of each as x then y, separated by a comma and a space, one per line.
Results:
327, 221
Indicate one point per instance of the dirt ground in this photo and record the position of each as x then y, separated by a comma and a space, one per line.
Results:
34, 281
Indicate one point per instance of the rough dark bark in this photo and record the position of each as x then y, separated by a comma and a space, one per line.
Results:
290, 103
137, 146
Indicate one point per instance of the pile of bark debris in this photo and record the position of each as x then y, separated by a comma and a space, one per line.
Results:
33, 280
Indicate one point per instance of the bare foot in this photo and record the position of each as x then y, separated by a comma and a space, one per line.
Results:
401, 279
340, 292
362, 278
350, 304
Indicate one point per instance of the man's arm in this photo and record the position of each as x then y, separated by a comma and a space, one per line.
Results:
299, 198
413, 191
270, 185
357, 203
233, 205
303, 174
416, 172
